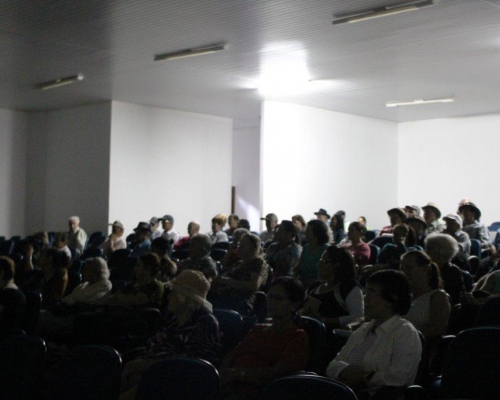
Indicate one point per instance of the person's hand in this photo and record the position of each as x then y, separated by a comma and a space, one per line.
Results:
354, 376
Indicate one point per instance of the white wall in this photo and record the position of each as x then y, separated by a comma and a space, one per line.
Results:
445, 160
68, 167
12, 172
312, 158
168, 162
246, 174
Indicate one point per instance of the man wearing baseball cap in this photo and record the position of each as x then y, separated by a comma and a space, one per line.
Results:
271, 222
169, 233
454, 229
431, 217
115, 240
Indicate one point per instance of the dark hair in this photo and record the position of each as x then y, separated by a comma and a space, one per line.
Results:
293, 288
346, 266
289, 228
359, 227
243, 223
151, 261
424, 261
8, 267
161, 244
363, 218
319, 231
233, 216
396, 289
299, 218
59, 258
340, 221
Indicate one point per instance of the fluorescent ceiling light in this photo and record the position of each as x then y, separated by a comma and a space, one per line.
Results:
59, 82
383, 12
198, 51
418, 102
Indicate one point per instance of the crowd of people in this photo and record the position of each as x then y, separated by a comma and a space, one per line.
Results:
378, 293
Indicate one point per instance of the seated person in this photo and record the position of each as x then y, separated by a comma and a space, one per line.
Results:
61, 243
284, 253
193, 229
431, 217
300, 227
269, 352
199, 257
115, 240
232, 257
358, 249
190, 330
168, 268
337, 227
391, 252
396, 216
146, 290
235, 287
218, 235
77, 238
232, 221
12, 300
430, 307
419, 227
385, 351
472, 225
271, 223
454, 229
142, 242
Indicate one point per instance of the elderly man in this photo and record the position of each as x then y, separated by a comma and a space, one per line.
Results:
142, 243
169, 233
431, 217
271, 222
192, 229
474, 228
76, 235
115, 240
454, 229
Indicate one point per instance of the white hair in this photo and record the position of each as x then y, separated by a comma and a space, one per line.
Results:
75, 218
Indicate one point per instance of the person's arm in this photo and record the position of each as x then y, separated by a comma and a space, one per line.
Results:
252, 285
355, 304
440, 313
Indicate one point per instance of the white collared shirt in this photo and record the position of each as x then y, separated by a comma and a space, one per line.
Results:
171, 234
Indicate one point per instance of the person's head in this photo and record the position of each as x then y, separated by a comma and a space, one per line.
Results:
60, 240
362, 220
322, 215
413, 211
417, 223
147, 266
238, 233
400, 233
441, 248
232, 221
284, 298
218, 222
199, 246
189, 293
470, 212
286, 232
43, 237
396, 216
388, 293
155, 224
298, 222
453, 223
95, 270
431, 213
117, 228
7, 271
336, 265
355, 231
337, 222
317, 231
193, 228
420, 270
167, 222
53, 261
249, 247
271, 221
244, 223
73, 223
160, 246
142, 232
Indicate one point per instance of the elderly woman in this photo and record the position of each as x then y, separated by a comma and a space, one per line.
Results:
218, 235
190, 330
235, 287
317, 243
441, 248
199, 257
358, 249
430, 308
269, 352
385, 351
283, 255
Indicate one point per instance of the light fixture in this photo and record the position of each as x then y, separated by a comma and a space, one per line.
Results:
418, 102
59, 82
383, 12
198, 51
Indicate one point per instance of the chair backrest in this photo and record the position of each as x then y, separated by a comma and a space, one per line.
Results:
381, 241
95, 235
495, 226
489, 313
374, 252
231, 326
32, 311
468, 282
216, 254
221, 245
21, 367
316, 331
310, 387
179, 379
471, 367
475, 248
370, 235
91, 252
118, 257
6, 247
89, 372
97, 241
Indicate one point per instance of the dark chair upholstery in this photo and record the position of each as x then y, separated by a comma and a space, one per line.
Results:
475, 248
231, 327
32, 313
21, 366
310, 387
118, 258
316, 331
125, 270
471, 368
6, 247
74, 279
374, 252
489, 313
97, 241
93, 236
89, 372
468, 281
179, 379
381, 241
221, 245
495, 226
217, 254
91, 252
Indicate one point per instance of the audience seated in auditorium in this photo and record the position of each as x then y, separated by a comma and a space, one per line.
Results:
271, 222
419, 227
168, 268
12, 300
218, 235
431, 217
169, 233
199, 257
155, 228
234, 289
192, 229
61, 243
300, 227
317, 242
284, 253
396, 216
355, 245
441, 249
337, 228
146, 290
142, 242
232, 222
385, 351
268, 352
430, 308
76, 235
472, 225
190, 330
454, 229
232, 257
115, 240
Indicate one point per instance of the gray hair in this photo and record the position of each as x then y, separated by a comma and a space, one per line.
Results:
99, 266
441, 247
203, 241
75, 218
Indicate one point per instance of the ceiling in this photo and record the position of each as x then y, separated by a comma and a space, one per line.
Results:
449, 49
